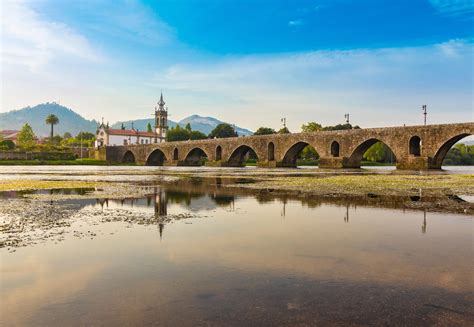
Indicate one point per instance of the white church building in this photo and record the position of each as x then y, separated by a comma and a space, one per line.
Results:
106, 136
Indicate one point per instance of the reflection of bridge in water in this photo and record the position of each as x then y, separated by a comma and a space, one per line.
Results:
414, 147
197, 194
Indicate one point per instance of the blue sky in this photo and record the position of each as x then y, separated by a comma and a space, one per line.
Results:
246, 62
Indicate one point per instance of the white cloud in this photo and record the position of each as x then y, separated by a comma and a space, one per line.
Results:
297, 22
455, 8
133, 21
31, 40
453, 48
385, 86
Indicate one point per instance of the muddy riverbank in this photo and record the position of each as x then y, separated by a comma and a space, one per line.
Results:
433, 191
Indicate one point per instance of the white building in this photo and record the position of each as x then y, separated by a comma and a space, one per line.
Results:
106, 136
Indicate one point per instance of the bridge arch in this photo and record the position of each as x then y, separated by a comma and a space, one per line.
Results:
335, 149
156, 158
195, 157
358, 153
414, 146
218, 153
291, 155
271, 151
237, 156
128, 157
443, 150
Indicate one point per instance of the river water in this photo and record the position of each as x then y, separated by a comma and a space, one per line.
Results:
196, 253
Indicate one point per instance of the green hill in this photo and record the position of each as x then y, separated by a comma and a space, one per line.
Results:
69, 121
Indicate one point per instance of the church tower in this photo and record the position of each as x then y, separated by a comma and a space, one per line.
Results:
161, 120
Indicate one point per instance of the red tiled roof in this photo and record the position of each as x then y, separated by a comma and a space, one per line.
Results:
9, 134
130, 132
9, 131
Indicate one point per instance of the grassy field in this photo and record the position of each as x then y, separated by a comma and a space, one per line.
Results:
22, 185
392, 184
87, 162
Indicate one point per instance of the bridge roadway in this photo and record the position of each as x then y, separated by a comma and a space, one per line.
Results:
414, 147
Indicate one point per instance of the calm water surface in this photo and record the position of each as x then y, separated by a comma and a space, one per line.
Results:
227, 258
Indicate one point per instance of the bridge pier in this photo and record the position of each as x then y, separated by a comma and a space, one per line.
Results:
416, 163
334, 162
171, 163
268, 164
216, 163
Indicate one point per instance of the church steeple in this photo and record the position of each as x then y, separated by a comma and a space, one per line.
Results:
161, 120
161, 103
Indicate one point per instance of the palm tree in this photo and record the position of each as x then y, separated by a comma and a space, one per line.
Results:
52, 120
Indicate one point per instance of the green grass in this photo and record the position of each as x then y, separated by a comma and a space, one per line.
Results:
374, 163
299, 162
77, 162
380, 184
22, 185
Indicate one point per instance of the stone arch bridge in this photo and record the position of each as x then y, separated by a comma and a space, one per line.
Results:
415, 147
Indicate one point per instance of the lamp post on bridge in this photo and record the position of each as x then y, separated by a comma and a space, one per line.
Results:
423, 107
346, 117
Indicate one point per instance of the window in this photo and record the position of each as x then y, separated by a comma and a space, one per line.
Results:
175, 154
335, 149
125, 142
271, 151
415, 146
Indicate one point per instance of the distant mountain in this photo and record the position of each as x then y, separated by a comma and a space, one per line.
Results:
69, 121
207, 124
198, 123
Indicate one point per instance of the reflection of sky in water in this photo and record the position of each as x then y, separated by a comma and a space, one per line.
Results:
128, 274
151, 174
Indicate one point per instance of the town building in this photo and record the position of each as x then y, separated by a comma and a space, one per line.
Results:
106, 136
11, 135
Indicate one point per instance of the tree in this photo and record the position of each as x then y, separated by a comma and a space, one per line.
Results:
7, 145
197, 135
26, 137
148, 128
177, 134
340, 127
223, 130
284, 130
311, 127
460, 154
52, 120
56, 140
188, 127
309, 153
264, 131
375, 153
85, 136
122, 127
67, 135
315, 127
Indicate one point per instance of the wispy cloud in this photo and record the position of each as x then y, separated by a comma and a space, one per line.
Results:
328, 83
31, 40
133, 21
297, 22
455, 8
